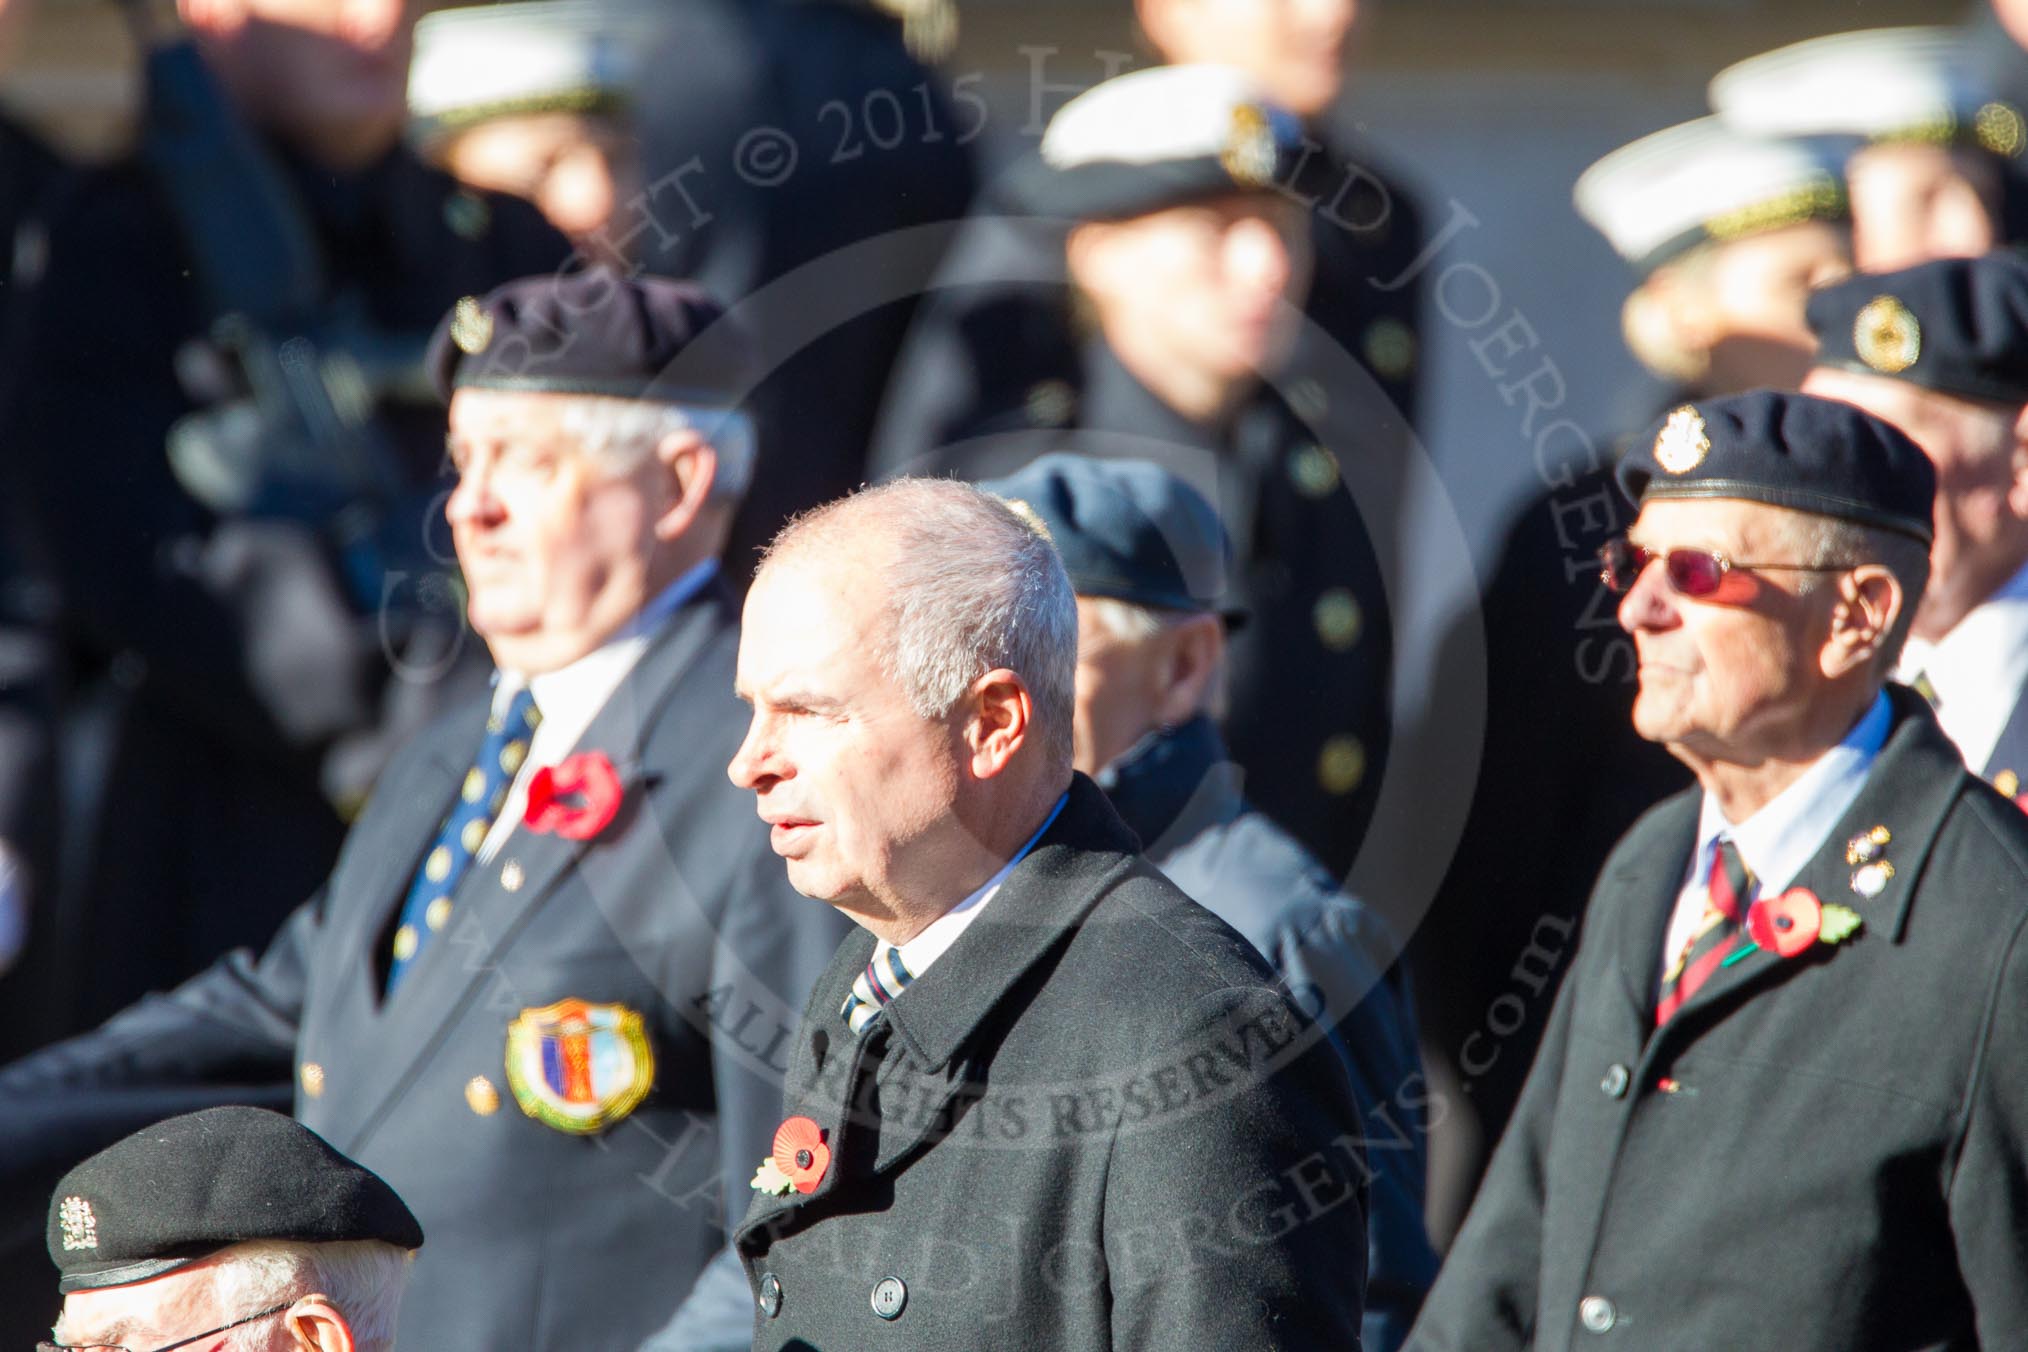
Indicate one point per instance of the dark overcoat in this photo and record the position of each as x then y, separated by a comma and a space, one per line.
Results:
1820, 1154
538, 1239
1092, 1124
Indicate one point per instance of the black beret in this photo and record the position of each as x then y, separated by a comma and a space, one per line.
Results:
1958, 325
1127, 529
1157, 138
1788, 450
597, 331
181, 1190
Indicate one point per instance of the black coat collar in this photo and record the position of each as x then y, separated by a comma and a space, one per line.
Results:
1173, 785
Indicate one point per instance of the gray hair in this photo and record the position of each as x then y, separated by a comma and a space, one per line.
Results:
624, 432
971, 586
1129, 622
363, 1280
1828, 542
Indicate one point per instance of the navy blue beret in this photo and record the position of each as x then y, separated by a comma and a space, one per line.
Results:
1127, 529
1788, 450
597, 331
181, 1190
1958, 325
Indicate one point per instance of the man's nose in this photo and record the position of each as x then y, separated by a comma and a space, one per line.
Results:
472, 501
1650, 603
750, 767
1258, 255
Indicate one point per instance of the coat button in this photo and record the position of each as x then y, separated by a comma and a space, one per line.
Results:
1615, 1082
1597, 1314
770, 1294
889, 1297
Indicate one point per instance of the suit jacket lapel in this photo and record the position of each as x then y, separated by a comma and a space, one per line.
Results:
1650, 875
490, 914
1914, 781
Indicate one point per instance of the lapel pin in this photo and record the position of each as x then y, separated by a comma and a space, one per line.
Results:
1869, 880
1865, 847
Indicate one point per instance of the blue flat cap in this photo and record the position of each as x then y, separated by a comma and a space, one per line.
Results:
177, 1192
1957, 325
1787, 450
1127, 529
597, 331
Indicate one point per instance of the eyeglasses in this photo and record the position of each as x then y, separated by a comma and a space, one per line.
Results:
167, 1347
1696, 573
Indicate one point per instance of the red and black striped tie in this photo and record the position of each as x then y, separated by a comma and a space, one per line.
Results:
1727, 893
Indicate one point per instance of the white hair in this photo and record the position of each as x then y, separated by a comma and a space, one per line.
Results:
1828, 542
1126, 621
971, 586
363, 1280
624, 432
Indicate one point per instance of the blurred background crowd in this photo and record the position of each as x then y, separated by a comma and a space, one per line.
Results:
226, 594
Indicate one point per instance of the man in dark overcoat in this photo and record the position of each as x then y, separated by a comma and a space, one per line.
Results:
1041, 1099
548, 991
1779, 1102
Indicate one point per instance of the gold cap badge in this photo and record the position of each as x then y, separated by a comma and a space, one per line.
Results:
1681, 445
1249, 154
80, 1227
471, 327
1999, 129
1886, 336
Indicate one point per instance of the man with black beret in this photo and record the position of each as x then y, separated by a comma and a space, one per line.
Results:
230, 1219
1779, 1102
1941, 351
1149, 561
547, 990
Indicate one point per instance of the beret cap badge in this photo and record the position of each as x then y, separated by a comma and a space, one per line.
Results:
1249, 154
1999, 129
80, 1227
1886, 336
1682, 443
471, 326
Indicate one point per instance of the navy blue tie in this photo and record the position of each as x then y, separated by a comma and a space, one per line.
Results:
428, 908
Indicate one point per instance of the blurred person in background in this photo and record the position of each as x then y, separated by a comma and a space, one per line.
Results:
548, 990
1941, 351
777, 134
1189, 267
213, 407
1148, 560
535, 98
1928, 179
1725, 236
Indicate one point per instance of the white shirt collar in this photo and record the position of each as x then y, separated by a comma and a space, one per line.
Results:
1778, 840
1978, 669
918, 953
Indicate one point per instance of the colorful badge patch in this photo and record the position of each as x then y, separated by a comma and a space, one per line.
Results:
1682, 443
1249, 154
577, 1066
471, 326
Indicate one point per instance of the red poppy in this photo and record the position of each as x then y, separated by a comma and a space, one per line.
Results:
1788, 924
575, 798
800, 1153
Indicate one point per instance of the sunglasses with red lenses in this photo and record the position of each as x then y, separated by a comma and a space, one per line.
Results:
1696, 573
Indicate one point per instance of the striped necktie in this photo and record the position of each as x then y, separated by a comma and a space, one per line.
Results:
428, 907
1727, 893
884, 978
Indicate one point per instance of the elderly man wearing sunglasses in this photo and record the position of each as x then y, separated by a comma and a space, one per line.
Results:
232, 1228
1780, 1101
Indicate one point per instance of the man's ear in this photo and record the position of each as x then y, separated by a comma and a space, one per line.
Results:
2017, 490
1195, 652
1869, 602
314, 1325
1001, 713
691, 464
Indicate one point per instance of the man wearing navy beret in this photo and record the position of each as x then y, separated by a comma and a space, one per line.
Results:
1778, 1104
547, 991
1941, 351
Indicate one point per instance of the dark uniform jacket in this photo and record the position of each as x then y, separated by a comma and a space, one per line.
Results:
538, 1238
1092, 1124
1336, 959
1309, 718
1819, 1153
216, 666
